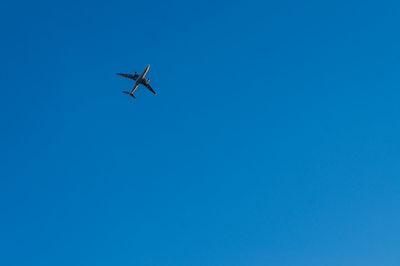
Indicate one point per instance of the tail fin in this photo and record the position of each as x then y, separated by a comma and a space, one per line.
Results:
131, 94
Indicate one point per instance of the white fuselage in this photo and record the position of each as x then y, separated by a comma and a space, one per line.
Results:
140, 78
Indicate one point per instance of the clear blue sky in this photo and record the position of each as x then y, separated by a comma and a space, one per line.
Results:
274, 138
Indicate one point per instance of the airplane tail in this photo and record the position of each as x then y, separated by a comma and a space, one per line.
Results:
131, 94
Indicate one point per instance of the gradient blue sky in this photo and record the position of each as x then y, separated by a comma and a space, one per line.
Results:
274, 138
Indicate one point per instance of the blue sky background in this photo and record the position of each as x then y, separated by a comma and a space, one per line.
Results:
273, 140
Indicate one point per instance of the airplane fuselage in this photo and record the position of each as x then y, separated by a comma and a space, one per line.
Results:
145, 70
140, 78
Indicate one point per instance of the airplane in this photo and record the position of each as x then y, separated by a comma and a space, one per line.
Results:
139, 79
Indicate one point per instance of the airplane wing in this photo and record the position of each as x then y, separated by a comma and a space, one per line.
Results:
129, 76
149, 88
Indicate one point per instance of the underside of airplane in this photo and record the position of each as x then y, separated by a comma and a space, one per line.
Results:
139, 80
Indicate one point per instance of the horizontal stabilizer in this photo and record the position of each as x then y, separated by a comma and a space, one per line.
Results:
131, 94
